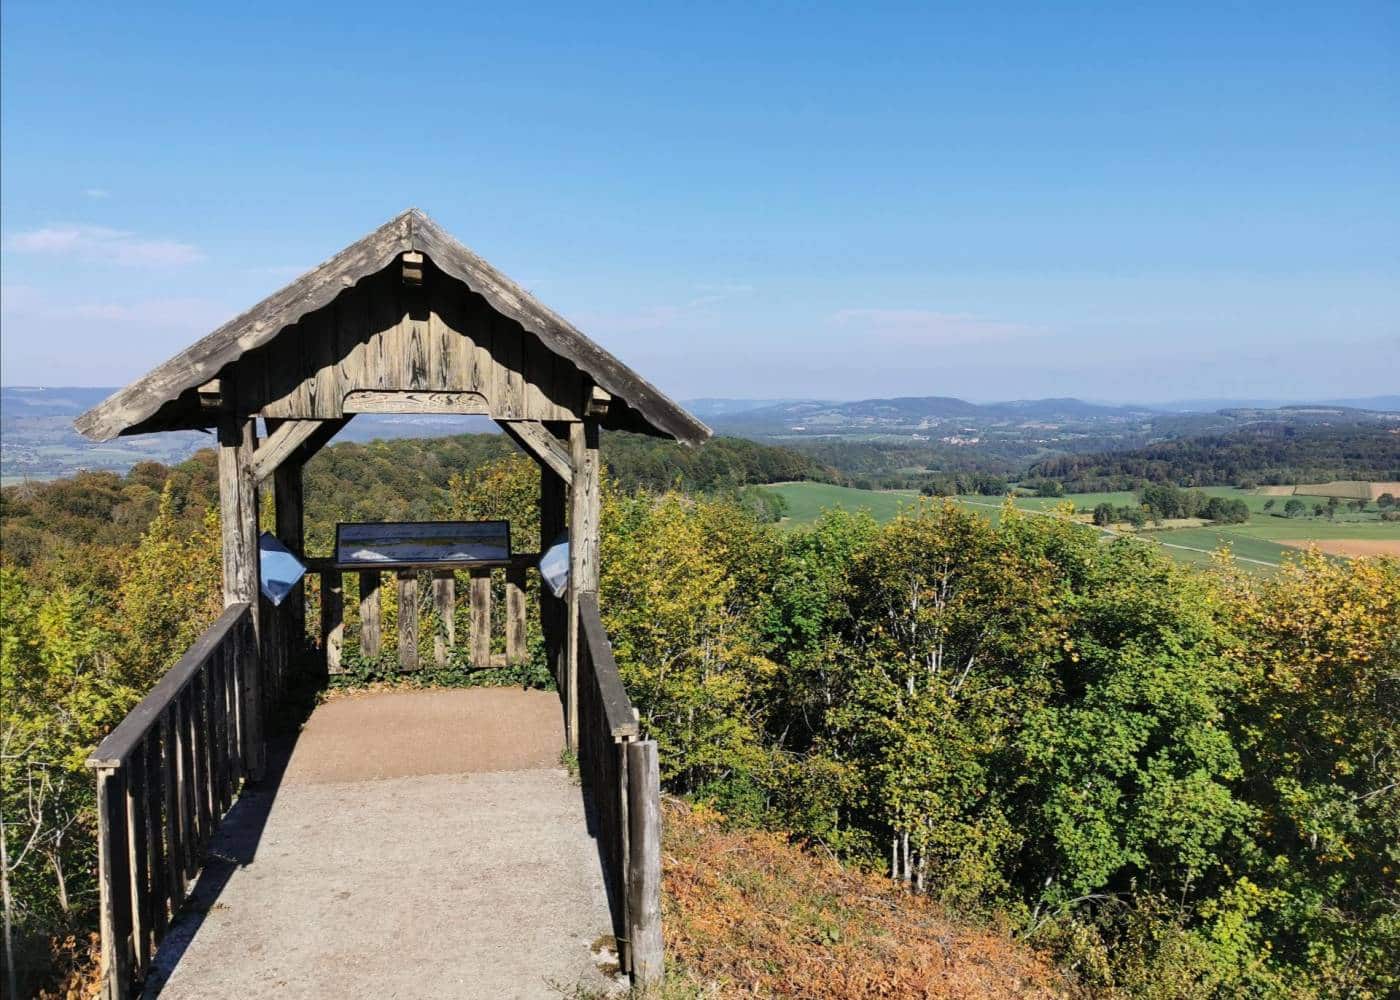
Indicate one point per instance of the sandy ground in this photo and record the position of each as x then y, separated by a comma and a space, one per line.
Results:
414, 844
1350, 546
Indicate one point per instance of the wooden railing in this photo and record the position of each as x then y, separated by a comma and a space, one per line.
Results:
165, 777
622, 783
444, 584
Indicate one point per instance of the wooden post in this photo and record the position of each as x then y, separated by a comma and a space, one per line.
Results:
481, 618
445, 600
408, 619
238, 509
369, 613
583, 549
515, 614
332, 619
114, 883
552, 496
288, 501
644, 864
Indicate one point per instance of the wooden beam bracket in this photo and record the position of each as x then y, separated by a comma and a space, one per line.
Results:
536, 439
282, 444
599, 399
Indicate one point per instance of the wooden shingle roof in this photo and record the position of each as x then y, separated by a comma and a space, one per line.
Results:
167, 398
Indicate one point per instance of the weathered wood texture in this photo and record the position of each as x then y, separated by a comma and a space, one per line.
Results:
481, 618
290, 626
644, 865
238, 508
332, 620
408, 619
351, 324
282, 444
538, 442
607, 725
445, 602
584, 513
165, 777
553, 611
460, 356
515, 614
370, 638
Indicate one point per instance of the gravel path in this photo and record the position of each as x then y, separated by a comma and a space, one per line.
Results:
415, 844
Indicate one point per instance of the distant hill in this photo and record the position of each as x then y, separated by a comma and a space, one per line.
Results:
707, 408
1389, 404
905, 415
1275, 452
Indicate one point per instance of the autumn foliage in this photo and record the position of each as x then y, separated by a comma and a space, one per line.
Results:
751, 914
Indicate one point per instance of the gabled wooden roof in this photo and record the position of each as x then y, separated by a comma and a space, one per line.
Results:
168, 397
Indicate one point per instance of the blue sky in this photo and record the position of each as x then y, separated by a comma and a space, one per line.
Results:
1115, 201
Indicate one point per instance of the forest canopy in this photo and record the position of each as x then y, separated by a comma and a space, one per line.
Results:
1178, 783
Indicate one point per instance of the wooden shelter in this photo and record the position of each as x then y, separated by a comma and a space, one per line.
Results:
406, 320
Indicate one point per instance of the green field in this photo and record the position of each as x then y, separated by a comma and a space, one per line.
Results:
1256, 542
807, 500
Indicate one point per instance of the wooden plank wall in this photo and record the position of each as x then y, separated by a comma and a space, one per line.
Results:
385, 336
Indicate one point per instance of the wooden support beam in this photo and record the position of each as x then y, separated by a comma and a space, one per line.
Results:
408, 619
412, 267
287, 498
445, 600
281, 444
547, 449
370, 642
584, 502
481, 618
238, 511
552, 609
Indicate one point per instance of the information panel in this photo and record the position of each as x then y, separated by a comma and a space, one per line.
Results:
407, 544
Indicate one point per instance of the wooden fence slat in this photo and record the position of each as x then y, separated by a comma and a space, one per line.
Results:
155, 826
408, 619
644, 863
138, 847
333, 619
445, 601
218, 711
199, 745
370, 639
114, 914
164, 779
516, 650
170, 792
250, 707
189, 829
481, 618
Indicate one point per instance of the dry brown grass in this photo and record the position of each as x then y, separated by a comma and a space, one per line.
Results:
749, 914
1348, 546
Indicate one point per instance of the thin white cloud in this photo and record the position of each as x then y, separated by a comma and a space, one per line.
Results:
97, 194
106, 245
24, 304
650, 319
929, 328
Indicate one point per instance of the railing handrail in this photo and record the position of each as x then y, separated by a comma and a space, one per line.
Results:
617, 707
121, 741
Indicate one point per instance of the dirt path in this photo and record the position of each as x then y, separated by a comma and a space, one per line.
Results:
417, 844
